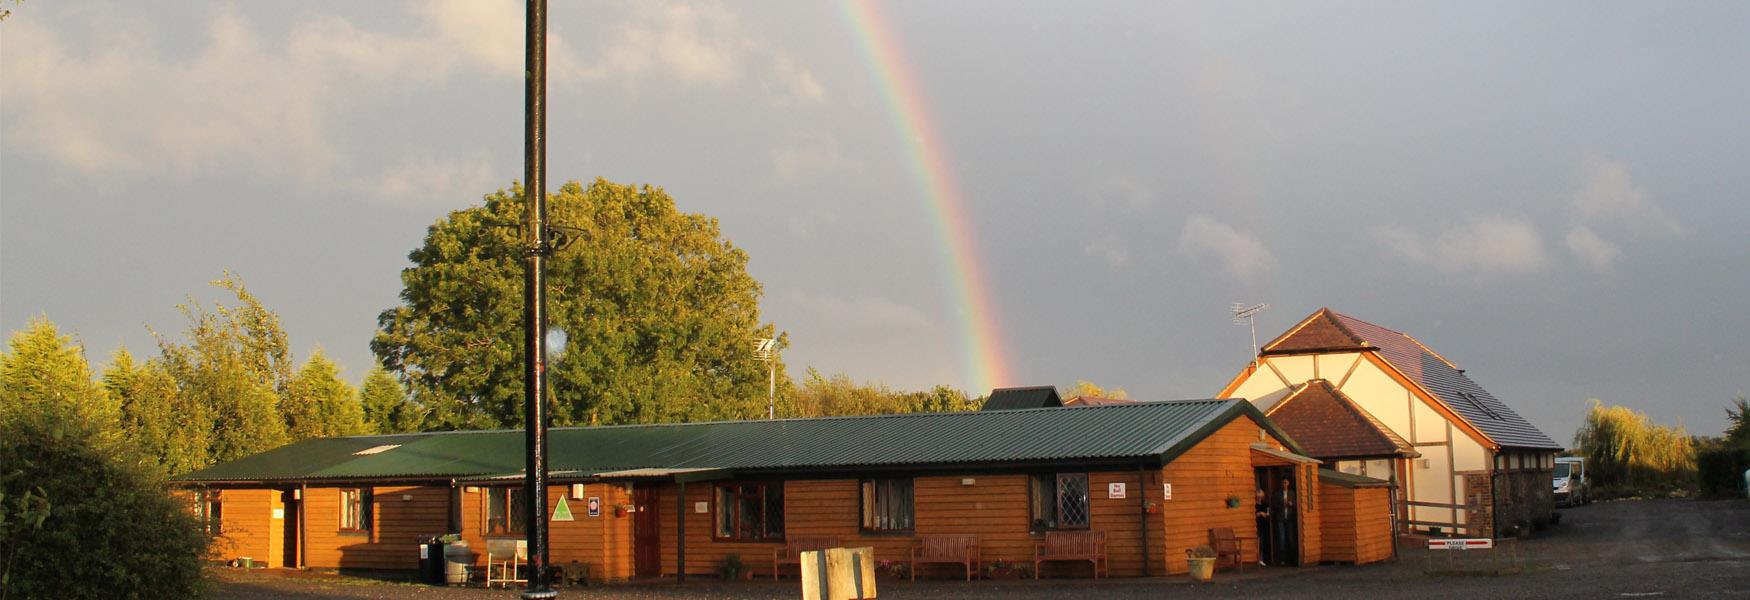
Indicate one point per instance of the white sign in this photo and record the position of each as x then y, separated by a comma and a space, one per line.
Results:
595, 506
1461, 544
1115, 490
701, 507
279, 513
1166, 491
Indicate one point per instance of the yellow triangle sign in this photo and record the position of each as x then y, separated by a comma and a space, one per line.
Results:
562, 512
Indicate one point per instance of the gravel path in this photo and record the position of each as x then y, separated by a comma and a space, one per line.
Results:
1645, 549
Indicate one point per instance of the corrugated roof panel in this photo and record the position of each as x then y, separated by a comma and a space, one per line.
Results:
1119, 431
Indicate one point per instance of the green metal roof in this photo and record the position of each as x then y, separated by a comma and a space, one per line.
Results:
1349, 480
1123, 432
299, 460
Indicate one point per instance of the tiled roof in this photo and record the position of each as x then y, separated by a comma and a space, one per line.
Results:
1330, 426
1140, 431
1448, 383
1039, 396
1320, 332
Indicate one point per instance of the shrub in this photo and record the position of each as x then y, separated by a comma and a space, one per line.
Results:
111, 529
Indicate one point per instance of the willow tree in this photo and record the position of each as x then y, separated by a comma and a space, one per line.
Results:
236, 365
655, 308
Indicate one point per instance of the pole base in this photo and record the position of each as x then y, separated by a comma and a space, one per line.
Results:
540, 595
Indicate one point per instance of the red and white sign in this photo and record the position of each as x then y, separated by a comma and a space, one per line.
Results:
1461, 544
1115, 490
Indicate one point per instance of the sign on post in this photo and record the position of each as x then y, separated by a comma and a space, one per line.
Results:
1462, 544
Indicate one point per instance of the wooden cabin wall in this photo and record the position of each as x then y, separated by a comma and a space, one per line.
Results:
1218, 468
604, 542
995, 508
246, 524
397, 526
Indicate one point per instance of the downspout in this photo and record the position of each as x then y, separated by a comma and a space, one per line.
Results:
303, 524
680, 531
1142, 513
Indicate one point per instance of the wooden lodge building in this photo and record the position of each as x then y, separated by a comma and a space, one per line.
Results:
1148, 480
1370, 401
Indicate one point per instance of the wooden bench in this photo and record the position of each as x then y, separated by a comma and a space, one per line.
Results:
1226, 546
791, 553
1072, 545
945, 549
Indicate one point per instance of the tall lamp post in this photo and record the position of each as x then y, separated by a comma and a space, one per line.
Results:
536, 248
764, 349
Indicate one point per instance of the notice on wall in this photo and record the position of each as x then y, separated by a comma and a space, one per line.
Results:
1115, 490
1166, 491
595, 506
701, 507
279, 513
562, 511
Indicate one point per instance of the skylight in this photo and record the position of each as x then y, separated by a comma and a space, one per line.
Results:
376, 449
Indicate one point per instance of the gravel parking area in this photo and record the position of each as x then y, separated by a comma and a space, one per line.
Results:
1657, 549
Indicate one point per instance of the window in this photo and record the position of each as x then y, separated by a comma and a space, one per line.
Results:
209, 510
355, 510
750, 511
506, 510
887, 505
1060, 501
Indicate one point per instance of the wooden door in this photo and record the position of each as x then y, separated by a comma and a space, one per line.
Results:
646, 533
1279, 536
289, 556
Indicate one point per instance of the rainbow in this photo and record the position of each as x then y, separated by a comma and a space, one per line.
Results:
985, 363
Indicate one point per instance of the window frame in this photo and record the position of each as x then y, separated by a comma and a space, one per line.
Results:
869, 491
1037, 525
362, 501
765, 527
514, 526
209, 509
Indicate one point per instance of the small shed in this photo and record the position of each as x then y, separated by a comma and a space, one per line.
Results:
1357, 522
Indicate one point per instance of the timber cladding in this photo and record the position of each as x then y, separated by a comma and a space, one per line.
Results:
246, 525
1356, 526
995, 507
1206, 476
400, 516
603, 542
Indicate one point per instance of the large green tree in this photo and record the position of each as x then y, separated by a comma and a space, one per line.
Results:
236, 365
657, 308
44, 375
170, 432
386, 405
319, 403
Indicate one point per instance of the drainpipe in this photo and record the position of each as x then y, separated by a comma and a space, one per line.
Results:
1142, 513
303, 524
680, 531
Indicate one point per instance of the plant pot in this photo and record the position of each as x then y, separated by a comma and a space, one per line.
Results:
1202, 569
1003, 573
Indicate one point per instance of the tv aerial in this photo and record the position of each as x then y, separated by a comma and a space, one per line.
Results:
1247, 315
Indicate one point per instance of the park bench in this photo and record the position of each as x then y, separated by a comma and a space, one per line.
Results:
1227, 547
945, 549
1071, 545
791, 553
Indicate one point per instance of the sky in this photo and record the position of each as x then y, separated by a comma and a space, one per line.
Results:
1552, 195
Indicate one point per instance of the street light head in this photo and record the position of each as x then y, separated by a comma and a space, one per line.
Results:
762, 348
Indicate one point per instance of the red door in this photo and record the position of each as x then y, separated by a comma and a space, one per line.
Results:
646, 533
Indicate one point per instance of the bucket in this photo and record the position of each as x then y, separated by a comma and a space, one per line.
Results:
457, 559
1202, 569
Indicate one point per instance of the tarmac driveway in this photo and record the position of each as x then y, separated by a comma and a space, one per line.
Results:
1642, 549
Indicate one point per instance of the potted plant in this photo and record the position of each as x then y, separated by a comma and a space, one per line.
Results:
1202, 562
1233, 501
1002, 569
733, 569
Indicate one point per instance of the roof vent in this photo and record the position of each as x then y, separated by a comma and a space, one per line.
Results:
376, 449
